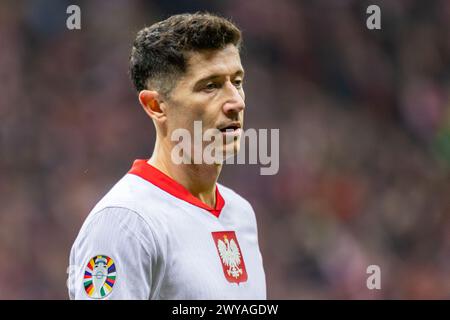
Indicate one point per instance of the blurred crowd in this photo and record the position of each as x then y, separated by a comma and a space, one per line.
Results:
364, 119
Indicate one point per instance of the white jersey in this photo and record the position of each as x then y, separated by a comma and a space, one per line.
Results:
149, 238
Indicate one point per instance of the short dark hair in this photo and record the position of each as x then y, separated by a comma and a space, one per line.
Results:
158, 56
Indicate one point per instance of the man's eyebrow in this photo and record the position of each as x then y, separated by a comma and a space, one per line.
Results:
218, 75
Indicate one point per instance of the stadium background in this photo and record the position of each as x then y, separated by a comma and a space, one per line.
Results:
364, 119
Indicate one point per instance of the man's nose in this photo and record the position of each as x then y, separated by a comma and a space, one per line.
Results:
235, 102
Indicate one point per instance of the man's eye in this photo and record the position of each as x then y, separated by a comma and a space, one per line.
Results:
238, 83
211, 86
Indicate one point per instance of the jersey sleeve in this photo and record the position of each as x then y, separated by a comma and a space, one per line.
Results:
115, 256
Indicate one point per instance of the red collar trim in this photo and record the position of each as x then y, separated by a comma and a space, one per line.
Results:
148, 172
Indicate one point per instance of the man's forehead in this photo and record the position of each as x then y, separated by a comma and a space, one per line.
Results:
208, 62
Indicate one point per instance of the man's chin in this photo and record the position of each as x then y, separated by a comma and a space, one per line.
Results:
231, 149
227, 151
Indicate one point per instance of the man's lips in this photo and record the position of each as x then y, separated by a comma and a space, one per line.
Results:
232, 129
232, 133
233, 126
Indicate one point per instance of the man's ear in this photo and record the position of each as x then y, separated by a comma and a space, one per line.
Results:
152, 104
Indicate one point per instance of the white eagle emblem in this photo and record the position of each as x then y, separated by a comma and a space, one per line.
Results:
230, 255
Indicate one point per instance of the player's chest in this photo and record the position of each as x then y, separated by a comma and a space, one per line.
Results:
212, 260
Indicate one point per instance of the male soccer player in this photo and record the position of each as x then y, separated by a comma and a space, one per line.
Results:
168, 230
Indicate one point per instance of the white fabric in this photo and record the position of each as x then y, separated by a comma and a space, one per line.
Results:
162, 245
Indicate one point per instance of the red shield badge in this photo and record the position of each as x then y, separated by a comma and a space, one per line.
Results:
230, 255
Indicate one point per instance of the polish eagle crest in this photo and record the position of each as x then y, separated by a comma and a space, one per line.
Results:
231, 256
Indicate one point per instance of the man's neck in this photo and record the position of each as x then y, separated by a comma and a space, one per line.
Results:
199, 179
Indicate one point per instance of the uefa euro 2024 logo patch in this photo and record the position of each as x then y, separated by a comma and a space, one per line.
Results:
99, 277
